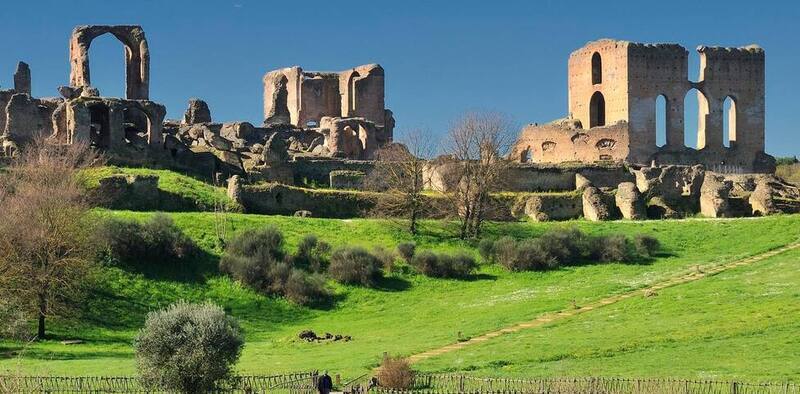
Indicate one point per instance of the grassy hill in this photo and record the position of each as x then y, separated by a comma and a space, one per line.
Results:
410, 313
738, 324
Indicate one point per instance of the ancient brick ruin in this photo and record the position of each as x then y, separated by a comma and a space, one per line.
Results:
613, 90
323, 129
347, 106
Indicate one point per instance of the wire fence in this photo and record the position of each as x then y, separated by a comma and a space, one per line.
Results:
299, 383
452, 384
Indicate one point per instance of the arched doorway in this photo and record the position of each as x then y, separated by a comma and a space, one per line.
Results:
99, 126
597, 69
597, 110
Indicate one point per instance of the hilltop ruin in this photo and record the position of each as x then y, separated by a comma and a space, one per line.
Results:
324, 129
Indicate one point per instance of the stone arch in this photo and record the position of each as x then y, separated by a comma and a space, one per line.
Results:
729, 121
597, 110
137, 57
100, 125
597, 69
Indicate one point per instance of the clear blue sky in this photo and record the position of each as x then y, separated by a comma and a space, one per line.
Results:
441, 58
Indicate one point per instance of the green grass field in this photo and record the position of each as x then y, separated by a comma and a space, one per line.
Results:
673, 334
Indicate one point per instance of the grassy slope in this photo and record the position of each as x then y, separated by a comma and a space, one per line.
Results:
409, 314
740, 324
202, 193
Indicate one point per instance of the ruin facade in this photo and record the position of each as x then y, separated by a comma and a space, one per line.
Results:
613, 90
347, 107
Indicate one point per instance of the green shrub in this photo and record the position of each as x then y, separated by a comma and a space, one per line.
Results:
256, 258
504, 250
565, 245
355, 266
385, 256
486, 250
646, 245
312, 254
460, 265
140, 243
407, 250
613, 248
532, 255
252, 257
306, 289
187, 347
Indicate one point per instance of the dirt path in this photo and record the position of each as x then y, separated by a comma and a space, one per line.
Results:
697, 273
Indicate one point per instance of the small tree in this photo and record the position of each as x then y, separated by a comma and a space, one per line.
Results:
187, 347
399, 171
477, 144
44, 249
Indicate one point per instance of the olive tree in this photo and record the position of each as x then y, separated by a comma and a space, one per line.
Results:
187, 347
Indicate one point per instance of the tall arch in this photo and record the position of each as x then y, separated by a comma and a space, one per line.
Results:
695, 106
597, 110
661, 120
729, 122
137, 57
597, 69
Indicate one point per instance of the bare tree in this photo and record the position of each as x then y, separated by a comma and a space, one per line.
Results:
399, 172
44, 260
477, 144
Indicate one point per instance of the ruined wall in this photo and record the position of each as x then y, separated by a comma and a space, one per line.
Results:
307, 96
555, 143
319, 96
612, 82
618, 81
655, 70
737, 73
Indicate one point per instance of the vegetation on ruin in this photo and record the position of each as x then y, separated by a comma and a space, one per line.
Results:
409, 313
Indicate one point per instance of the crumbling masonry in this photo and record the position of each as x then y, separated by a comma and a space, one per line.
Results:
613, 90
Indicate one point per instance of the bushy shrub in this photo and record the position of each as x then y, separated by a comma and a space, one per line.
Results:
395, 373
613, 248
355, 266
312, 254
187, 347
565, 245
531, 255
306, 289
504, 250
646, 245
139, 243
460, 265
486, 250
385, 256
256, 258
252, 258
407, 250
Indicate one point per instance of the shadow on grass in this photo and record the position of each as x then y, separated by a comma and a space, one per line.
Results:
191, 269
392, 284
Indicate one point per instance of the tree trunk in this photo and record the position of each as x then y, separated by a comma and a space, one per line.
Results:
40, 333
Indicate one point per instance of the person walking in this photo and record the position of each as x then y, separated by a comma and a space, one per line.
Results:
324, 384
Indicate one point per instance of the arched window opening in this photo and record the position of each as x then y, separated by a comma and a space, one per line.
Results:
108, 73
525, 156
695, 107
597, 69
661, 120
99, 127
729, 122
597, 110
136, 124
